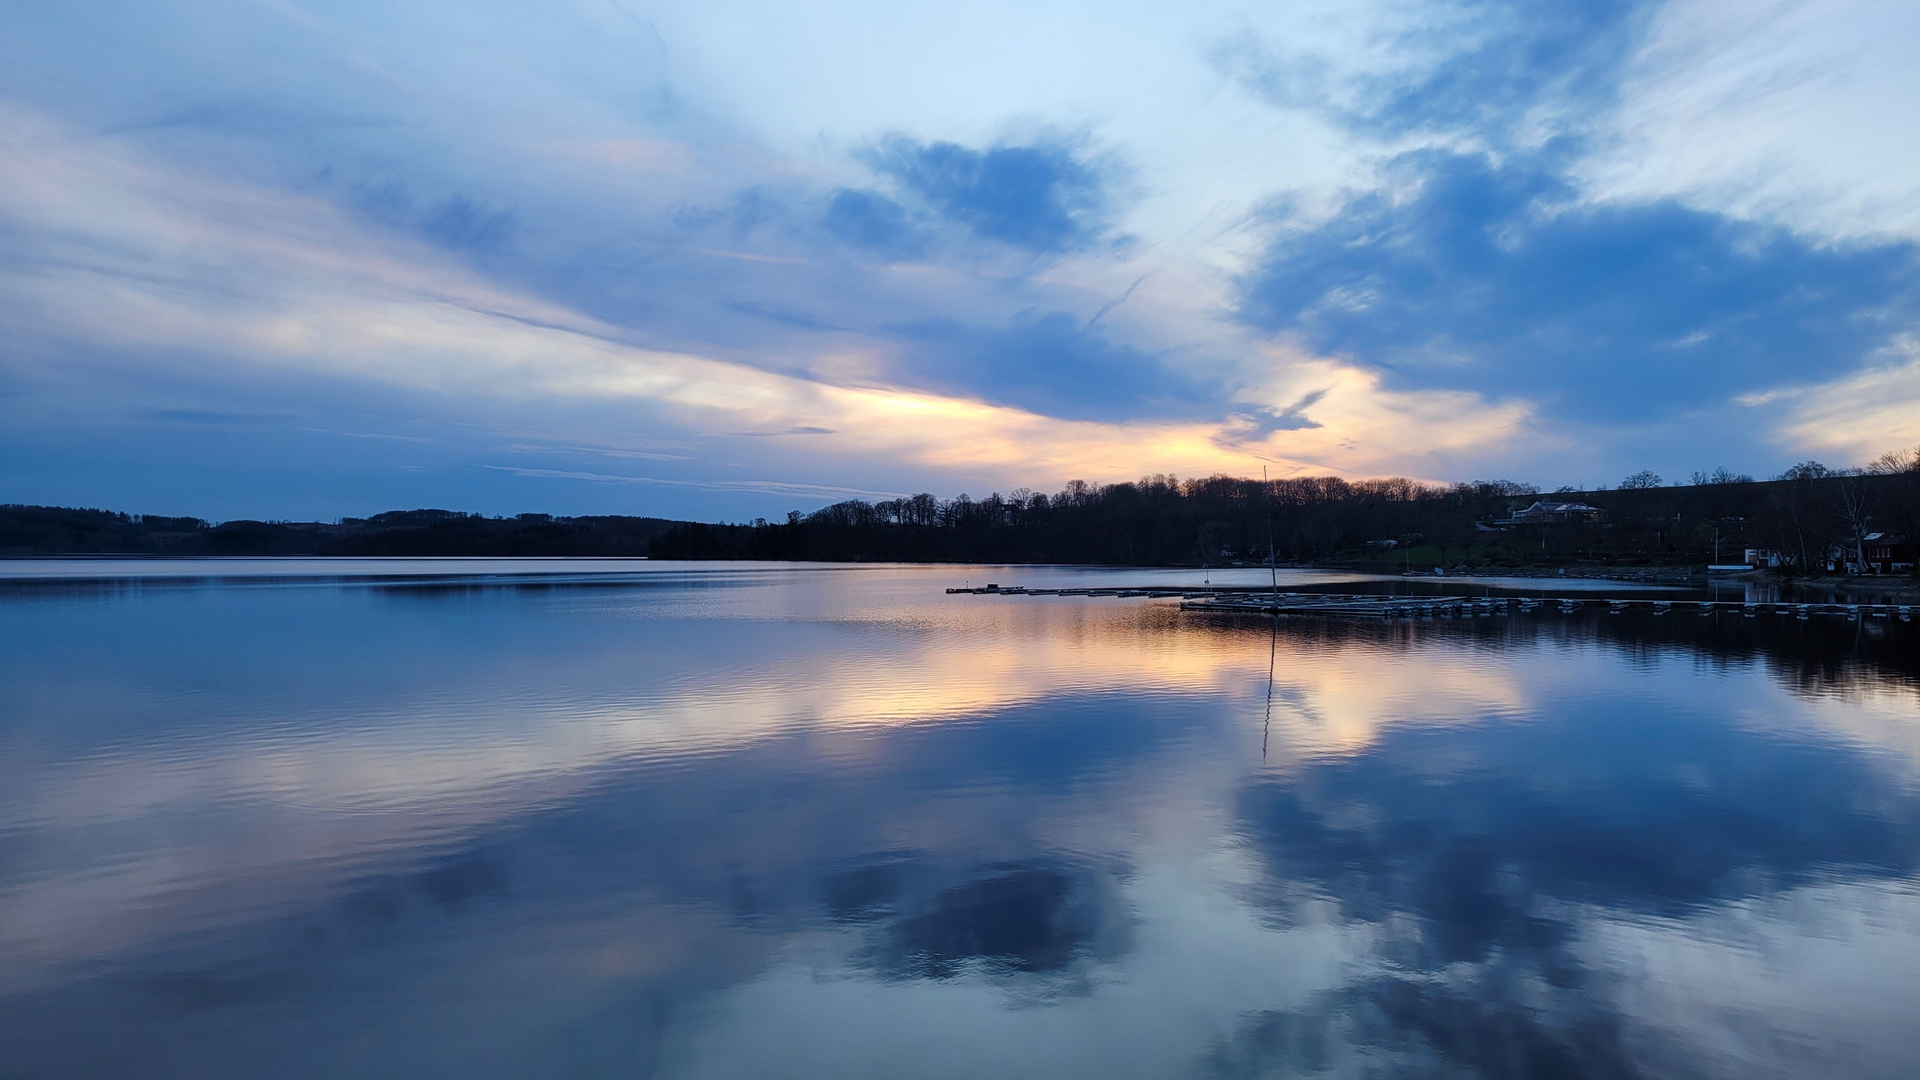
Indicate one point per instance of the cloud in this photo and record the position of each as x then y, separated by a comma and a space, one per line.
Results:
1511, 59
1261, 421
1046, 362
1040, 197
463, 223
215, 417
1491, 70
456, 222
1859, 417
764, 487
1493, 276
805, 429
1772, 110
870, 219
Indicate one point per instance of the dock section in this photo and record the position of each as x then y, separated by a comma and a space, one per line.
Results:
1400, 606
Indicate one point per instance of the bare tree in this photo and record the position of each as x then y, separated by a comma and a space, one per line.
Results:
1853, 502
1894, 462
1806, 470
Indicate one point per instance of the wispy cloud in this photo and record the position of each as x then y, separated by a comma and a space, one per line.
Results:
764, 487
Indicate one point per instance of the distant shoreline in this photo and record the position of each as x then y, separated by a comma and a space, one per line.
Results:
1889, 585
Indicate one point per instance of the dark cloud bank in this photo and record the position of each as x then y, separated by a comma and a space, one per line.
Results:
1480, 263
1493, 276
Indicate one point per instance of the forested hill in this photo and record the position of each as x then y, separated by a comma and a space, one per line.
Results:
47, 530
1808, 518
1393, 523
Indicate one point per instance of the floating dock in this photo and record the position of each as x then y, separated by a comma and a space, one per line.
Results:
1380, 605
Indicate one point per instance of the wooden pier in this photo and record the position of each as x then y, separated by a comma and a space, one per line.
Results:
1400, 606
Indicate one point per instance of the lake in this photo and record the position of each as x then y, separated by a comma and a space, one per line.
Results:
498, 818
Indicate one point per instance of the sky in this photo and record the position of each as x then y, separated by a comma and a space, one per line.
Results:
720, 260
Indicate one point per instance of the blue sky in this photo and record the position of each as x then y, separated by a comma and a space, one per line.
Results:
287, 258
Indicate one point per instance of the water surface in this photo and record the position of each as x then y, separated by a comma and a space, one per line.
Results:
296, 819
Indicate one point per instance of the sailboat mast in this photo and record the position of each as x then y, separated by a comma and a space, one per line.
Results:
1273, 564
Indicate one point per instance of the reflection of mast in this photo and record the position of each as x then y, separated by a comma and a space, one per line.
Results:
1273, 644
1273, 649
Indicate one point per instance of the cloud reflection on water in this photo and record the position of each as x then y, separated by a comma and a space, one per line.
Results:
736, 830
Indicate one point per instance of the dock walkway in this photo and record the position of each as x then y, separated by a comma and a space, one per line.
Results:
1377, 605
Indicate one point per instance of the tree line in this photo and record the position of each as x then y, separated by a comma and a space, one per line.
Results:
1806, 520
50, 530
1803, 519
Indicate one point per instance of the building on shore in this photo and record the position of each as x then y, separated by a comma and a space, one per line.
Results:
1553, 513
1886, 553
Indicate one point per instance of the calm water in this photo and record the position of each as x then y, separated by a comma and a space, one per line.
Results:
581, 820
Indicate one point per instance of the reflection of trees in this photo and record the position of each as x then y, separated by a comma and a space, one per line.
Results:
1821, 655
1818, 656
